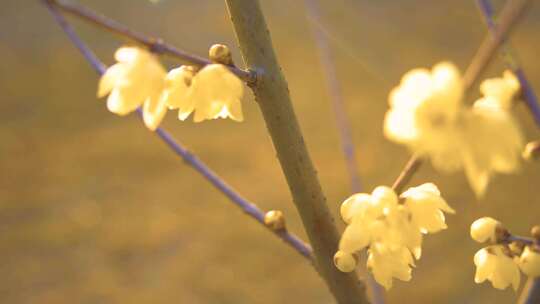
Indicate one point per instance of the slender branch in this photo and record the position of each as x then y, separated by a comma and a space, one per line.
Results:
516, 238
511, 61
342, 121
248, 207
272, 95
407, 173
155, 44
509, 16
336, 97
531, 292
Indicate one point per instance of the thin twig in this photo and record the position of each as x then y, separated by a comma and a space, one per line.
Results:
342, 121
336, 97
407, 173
509, 16
248, 207
516, 238
511, 61
156, 45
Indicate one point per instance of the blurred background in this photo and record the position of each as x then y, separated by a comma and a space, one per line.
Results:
95, 209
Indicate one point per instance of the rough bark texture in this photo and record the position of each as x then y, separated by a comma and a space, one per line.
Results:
272, 95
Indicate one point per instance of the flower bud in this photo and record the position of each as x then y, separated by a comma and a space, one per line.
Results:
532, 151
484, 229
344, 261
535, 232
529, 262
275, 220
220, 53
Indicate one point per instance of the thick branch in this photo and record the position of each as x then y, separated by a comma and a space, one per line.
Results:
509, 16
511, 61
155, 44
248, 207
272, 94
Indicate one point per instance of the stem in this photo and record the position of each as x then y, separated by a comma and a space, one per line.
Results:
342, 121
509, 16
406, 175
531, 292
248, 207
511, 61
156, 45
272, 95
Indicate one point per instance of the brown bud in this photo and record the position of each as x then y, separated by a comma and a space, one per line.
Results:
535, 232
275, 220
220, 53
501, 234
532, 151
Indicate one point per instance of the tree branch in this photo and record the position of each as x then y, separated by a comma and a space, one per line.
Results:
248, 207
510, 14
156, 45
272, 95
511, 61
342, 121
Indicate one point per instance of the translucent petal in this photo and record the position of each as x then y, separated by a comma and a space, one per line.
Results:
355, 237
154, 110
112, 77
124, 101
529, 262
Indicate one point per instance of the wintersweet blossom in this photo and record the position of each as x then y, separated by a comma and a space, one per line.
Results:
176, 93
427, 114
391, 228
386, 264
136, 79
215, 92
484, 229
529, 261
494, 264
427, 207
500, 91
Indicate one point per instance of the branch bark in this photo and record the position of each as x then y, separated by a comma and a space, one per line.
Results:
272, 94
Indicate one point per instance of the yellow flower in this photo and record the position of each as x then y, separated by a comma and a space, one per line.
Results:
392, 230
424, 106
492, 143
484, 229
529, 262
215, 92
426, 207
500, 91
357, 236
494, 265
427, 114
136, 79
176, 93
356, 205
344, 261
386, 264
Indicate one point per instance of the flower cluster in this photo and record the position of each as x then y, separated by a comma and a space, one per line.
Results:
139, 79
392, 228
428, 115
501, 261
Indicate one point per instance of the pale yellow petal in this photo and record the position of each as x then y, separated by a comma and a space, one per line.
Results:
112, 77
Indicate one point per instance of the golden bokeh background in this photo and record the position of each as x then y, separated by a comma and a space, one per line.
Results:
95, 209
